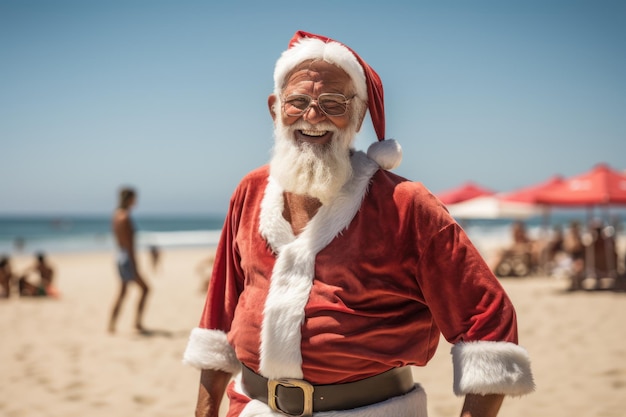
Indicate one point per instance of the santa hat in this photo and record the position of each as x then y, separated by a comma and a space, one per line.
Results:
306, 46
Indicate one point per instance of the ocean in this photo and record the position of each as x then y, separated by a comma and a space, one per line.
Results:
54, 234
73, 233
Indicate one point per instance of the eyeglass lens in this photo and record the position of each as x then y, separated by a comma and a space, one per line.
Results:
331, 104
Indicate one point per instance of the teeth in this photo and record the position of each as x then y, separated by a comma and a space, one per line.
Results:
314, 132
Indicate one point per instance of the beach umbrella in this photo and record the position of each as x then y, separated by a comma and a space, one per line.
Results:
493, 207
465, 191
530, 194
601, 186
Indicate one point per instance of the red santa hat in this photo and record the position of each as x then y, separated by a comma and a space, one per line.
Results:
369, 88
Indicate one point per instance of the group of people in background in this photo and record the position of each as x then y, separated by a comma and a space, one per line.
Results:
22, 284
574, 252
25, 285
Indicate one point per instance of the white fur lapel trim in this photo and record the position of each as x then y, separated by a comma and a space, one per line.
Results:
294, 269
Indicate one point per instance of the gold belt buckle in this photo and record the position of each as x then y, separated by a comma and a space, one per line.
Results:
307, 390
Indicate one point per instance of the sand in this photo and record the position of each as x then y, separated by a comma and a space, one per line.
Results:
57, 359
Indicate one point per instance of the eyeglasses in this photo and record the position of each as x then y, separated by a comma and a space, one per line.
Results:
329, 103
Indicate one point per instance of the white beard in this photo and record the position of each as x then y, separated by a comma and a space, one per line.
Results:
319, 171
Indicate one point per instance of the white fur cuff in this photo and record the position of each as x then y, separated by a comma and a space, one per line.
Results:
209, 349
491, 368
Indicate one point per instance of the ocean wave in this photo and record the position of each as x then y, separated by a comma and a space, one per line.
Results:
178, 239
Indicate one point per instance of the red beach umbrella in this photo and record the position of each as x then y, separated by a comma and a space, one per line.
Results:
530, 193
465, 191
600, 186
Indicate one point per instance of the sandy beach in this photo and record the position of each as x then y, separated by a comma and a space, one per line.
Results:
59, 360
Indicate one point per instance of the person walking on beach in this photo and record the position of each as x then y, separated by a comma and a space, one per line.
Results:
124, 234
334, 276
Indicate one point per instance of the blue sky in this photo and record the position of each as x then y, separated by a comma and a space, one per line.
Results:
170, 96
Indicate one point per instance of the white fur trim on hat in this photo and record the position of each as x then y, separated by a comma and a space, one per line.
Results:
209, 349
332, 52
491, 368
386, 153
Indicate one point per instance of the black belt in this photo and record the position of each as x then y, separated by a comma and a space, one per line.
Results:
296, 397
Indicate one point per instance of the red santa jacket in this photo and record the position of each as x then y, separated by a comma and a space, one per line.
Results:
369, 284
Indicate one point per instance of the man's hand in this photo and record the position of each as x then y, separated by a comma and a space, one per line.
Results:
482, 405
212, 387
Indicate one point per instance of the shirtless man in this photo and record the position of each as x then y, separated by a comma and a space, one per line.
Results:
124, 234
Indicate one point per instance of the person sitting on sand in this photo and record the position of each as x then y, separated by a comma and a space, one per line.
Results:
552, 252
604, 251
520, 258
28, 289
573, 242
575, 249
6, 277
45, 286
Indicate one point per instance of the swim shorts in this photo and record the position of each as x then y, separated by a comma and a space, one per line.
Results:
125, 266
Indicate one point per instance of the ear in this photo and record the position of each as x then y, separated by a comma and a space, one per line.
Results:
361, 118
271, 101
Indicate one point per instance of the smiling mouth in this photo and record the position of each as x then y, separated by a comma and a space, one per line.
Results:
314, 136
314, 133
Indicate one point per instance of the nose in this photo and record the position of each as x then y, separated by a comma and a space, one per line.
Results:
314, 114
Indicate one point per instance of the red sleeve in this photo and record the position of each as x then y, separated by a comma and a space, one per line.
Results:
469, 306
226, 281
465, 298
467, 301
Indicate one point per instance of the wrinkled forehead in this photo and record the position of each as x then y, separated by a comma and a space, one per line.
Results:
331, 76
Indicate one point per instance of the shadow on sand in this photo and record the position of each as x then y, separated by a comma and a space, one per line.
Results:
169, 334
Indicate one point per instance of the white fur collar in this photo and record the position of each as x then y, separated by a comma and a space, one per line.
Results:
293, 272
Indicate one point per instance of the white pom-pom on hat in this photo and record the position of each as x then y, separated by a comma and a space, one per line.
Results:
386, 153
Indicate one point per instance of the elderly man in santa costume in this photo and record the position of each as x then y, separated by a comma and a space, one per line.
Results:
334, 276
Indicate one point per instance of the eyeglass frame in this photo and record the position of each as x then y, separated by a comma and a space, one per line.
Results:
316, 100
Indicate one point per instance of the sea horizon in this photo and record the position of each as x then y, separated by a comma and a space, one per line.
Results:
89, 232
29, 233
